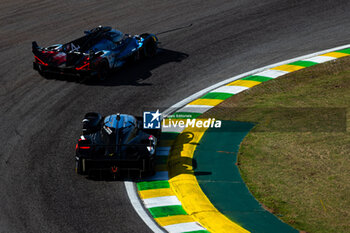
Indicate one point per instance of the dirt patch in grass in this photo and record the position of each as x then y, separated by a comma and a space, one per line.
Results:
296, 161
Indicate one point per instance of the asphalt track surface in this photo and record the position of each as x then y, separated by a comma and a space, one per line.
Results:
40, 118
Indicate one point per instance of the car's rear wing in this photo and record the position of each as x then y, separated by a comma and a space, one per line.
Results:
45, 56
40, 57
35, 46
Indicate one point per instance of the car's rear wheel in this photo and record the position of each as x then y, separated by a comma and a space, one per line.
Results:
150, 49
103, 70
80, 167
43, 74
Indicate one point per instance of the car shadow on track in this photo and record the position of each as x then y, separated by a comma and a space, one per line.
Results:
180, 164
136, 73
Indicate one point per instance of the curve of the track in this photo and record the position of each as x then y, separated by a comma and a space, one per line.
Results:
40, 119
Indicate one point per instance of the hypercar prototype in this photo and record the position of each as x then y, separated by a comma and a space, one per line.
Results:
99, 51
116, 143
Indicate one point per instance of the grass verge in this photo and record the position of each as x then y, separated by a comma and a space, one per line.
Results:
296, 160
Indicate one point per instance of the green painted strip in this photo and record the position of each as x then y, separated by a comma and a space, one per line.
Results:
160, 184
257, 78
184, 115
200, 231
164, 211
344, 51
168, 136
217, 95
303, 63
161, 159
218, 176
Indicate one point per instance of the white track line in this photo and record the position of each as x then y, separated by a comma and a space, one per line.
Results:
230, 89
320, 59
184, 227
136, 203
161, 201
195, 108
272, 73
129, 186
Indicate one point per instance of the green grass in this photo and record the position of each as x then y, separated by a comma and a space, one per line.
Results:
296, 161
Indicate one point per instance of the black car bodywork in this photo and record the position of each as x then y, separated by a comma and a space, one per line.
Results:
116, 143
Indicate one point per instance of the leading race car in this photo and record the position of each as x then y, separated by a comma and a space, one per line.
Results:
115, 143
101, 50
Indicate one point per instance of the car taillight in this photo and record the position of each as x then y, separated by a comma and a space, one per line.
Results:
84, 147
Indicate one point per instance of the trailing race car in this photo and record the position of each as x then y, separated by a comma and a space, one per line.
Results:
115, 143
101, 50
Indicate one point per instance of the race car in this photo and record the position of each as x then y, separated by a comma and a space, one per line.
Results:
116, 143
98, 52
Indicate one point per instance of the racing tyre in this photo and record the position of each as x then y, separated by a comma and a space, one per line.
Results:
103, 71
79, 167
45, 75
150, 49
152, 167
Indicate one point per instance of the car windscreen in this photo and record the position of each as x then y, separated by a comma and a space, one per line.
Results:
121, 136
103, 44
115, 36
